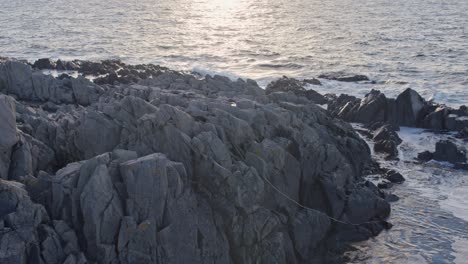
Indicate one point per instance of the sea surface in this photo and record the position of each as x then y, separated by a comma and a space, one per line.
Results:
422, 44
431, 218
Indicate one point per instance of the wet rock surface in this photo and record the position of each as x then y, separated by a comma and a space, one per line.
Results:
167, 167
344, 78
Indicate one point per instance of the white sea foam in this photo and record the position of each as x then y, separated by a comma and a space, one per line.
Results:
431, 218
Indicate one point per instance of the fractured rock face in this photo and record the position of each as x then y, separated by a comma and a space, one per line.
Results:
178, 169
8, 133
26, 235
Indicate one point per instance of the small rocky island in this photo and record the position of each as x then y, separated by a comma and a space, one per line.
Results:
143, 164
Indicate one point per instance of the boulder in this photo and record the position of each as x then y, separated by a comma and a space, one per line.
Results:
384, 184
447, 151
386, 140
425, 156
387, 132
394, 177
45, 63
388, 147
436, 119
409, 104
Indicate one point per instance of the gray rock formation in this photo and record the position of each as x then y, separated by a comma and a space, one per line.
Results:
448, 151
408, 109
296, 87
9, 135
174, 168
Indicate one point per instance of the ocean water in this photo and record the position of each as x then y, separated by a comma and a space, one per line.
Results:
431, 218
421, 44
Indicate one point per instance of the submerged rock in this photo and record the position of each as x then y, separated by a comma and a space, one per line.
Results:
386, 140
344, 78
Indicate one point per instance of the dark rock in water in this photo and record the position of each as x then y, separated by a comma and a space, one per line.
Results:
461, 166
387, 146
67, 66
436, 119
394, 177
387, 132
462, 133
341, 78
390, 197
425, 156
409, 104
64, 76
447, 151
386, 140
456, 122
312, 81
286, 84
175, 169
384, 184
42, 64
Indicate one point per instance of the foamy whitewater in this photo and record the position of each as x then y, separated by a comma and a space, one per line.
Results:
431, 218
422, 44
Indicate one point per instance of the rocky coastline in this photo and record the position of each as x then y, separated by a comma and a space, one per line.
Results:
143, 164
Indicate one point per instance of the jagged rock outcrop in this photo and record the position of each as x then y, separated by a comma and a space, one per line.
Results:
177, 169
408, 109
291, 85
386, 140
448, 151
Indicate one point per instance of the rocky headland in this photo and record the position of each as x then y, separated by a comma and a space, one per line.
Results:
143, 164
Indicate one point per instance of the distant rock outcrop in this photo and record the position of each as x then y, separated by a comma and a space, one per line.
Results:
408, 109
296, 87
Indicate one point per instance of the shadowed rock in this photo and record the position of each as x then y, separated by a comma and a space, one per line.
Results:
448, 151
